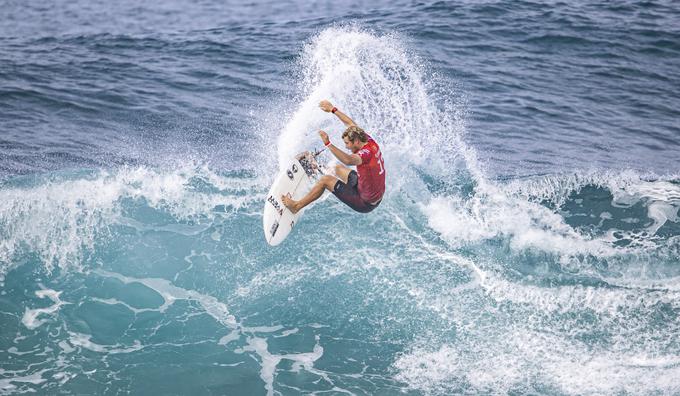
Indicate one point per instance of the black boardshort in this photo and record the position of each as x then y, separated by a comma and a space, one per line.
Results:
349, 194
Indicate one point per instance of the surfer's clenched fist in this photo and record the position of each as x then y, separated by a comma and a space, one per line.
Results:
326, 106
324, 137
329, 108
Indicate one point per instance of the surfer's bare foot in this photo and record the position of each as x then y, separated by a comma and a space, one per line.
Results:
290, 204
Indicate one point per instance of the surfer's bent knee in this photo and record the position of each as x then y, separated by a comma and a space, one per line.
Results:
328, 181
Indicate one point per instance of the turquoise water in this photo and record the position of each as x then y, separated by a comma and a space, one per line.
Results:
528, 242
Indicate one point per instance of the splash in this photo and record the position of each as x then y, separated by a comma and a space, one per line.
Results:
380, 85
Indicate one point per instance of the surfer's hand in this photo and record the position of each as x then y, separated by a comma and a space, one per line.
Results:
324, 137
326, 106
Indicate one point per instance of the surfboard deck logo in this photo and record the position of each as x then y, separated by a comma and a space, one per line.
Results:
276, 205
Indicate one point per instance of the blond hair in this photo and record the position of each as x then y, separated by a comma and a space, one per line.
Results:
354, 132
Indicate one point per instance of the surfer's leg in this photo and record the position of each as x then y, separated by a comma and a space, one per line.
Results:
342, 172
349, 194
325, 183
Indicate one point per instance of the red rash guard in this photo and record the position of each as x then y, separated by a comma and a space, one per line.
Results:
371, 172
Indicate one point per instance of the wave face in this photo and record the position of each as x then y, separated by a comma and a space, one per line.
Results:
148, 273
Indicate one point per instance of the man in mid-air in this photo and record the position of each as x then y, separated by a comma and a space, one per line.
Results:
363, 189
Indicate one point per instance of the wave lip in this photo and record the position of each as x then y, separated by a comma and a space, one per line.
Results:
63, 219
607, 218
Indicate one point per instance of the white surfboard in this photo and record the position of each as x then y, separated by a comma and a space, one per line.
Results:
296, 179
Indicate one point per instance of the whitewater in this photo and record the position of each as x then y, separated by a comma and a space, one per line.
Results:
155, 278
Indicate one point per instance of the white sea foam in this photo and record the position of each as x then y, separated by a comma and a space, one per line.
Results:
62, 220
517, 359
526, 225
660, 197
8, 385
571, 298
32, 317
269, 361
514, 213
170, 293
255, 340
532, 334
84, 341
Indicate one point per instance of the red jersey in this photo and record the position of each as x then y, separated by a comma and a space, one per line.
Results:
371, 172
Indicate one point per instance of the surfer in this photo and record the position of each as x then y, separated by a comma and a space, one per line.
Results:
361, 189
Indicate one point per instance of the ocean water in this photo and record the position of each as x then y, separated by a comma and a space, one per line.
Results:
528, 242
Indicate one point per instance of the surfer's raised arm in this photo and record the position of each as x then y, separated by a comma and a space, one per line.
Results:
347, 159
328, 108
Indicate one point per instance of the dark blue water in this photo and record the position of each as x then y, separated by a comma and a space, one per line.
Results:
528, 243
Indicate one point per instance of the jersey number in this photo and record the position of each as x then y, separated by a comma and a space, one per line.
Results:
380, 162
